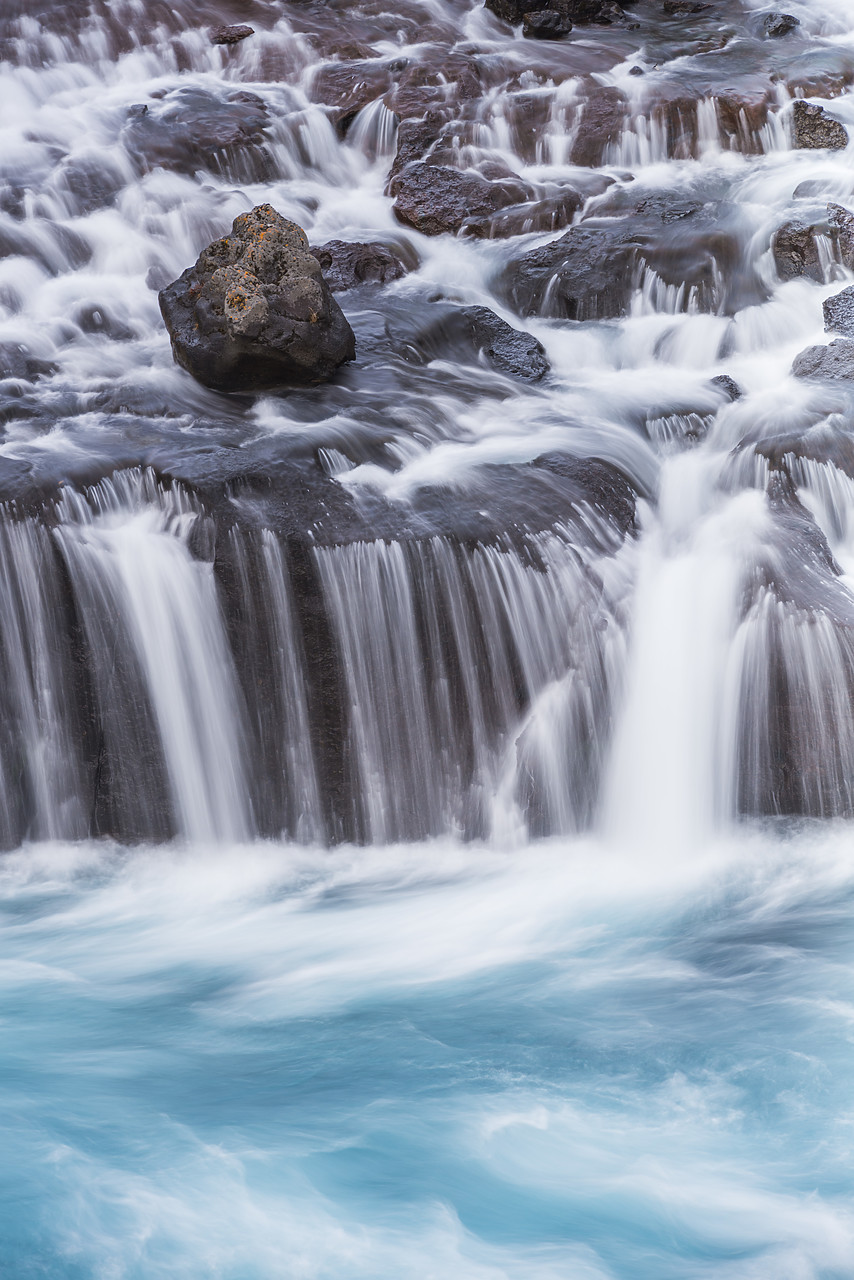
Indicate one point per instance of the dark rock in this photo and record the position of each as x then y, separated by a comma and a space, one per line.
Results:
414, 140
815, 130
833, 362
728, 385
591, 272
92, 183
193, 129
577, 12
254, 312
506, 349
780, 24
841, 223
544, 24
547, 214
230, 35
97, 319
603, 117
436, 198
683, 7
636, 71
796, 252
345, 265
839, 313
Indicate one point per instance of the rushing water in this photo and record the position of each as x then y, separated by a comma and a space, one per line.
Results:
425, 799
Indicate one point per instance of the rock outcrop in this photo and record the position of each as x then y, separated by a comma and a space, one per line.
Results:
254, 312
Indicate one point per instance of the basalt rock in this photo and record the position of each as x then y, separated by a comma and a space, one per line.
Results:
603, 117
839, 313
230, 35
574, 12
545, 24
193, 129
549, 213
780, 24
485, 335
834, 362
254, 312
815, 130
436, 198
728, 386
591, 272
796, 252
346, 265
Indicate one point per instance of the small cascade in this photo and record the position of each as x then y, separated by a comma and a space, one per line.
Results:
466, 670
163, 676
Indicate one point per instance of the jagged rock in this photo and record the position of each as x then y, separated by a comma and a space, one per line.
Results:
229, 35
780, 24
544, 24
728, 385
815, 130
839, 313
835, 361
796, 252
346, 265
436, 198
506, 349
254, 312
841, 223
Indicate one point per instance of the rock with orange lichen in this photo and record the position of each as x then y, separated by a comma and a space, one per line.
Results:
254, 313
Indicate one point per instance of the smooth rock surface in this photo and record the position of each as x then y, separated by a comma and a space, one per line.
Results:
254, 312
486, 335
436, 198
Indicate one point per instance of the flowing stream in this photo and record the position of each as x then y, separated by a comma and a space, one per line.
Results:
426, 798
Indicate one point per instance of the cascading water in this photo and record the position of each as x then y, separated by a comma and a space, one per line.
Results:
425, 797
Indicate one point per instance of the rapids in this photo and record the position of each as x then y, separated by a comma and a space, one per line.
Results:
425, 798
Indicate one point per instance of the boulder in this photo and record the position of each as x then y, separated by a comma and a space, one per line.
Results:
550, 213
839, 313
436, 198
545, 24
796, 252
229, 35
254, 312
603, 118
780, 24
346, 265
486, 335
682, 8
815, 130
835, 362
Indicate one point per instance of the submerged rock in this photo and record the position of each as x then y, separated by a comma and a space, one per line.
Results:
346, 265
834, 362
839, 312
254, 312
817, 131
579, 12
485, 334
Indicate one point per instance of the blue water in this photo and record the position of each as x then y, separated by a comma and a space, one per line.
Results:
429, 1062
